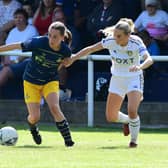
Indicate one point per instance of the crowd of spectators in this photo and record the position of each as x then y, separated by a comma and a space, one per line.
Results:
85, 19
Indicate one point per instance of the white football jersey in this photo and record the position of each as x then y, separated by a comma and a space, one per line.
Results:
125, 57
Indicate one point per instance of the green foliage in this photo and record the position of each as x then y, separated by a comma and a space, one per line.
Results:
94, 148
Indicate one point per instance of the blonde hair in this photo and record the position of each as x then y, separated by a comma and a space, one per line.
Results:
125, 24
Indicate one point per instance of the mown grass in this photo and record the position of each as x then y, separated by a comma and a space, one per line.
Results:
94, 148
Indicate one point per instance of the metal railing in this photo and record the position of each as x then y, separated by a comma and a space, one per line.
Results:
91, 59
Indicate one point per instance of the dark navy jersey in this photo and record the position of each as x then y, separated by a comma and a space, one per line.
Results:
42, 68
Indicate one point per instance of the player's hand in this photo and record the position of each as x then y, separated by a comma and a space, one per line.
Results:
134, 68
67, 62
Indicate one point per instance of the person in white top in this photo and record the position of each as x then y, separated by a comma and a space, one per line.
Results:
13, 66
7, 9
127, 76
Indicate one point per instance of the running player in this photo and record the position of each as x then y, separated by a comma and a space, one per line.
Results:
41, 78
127, 76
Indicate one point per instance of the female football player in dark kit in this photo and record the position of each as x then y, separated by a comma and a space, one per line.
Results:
41, 78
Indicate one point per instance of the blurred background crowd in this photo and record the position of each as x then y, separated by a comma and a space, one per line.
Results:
21, 20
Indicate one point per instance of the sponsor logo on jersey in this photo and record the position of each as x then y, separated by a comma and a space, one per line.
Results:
130, 53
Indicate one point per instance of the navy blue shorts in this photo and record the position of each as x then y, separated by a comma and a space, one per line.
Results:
19, 68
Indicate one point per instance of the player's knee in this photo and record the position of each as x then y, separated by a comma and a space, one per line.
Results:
33, 118
111, 118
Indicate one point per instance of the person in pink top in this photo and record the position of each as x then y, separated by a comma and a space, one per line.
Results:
155, 21
43, 16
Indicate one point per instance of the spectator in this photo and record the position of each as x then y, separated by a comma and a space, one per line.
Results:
153, 50
43, 16
58, 15
104, 15
34, 3
7, 9
155, 21
69, 8
28, 8
20, 33
85, 7
150, 43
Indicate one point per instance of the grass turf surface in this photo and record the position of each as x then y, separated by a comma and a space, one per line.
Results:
94, 148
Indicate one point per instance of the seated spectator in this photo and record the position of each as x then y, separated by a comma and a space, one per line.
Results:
155, 21
154, 50
7, 9
58, 15
150, 43
28, 8
85, 7
69, 8
104, 15
21, 32
43, 16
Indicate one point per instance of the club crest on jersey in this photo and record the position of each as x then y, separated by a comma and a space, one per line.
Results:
130, 53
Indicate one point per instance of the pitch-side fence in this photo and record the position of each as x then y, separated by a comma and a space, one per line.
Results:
90, 59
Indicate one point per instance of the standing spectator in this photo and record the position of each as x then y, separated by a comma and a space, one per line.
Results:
104, 15
155, 21
7, 9
43, 16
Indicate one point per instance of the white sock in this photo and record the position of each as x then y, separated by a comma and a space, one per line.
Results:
134, 127
123, 118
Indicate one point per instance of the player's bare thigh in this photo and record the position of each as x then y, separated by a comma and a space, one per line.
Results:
113, 105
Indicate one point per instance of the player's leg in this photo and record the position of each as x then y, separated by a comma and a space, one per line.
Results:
51, 94
32, 98
114, 101
5, 74
134, 99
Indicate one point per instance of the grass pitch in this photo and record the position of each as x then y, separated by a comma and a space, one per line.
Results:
94, 148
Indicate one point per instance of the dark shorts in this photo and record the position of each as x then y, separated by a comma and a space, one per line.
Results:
19, 68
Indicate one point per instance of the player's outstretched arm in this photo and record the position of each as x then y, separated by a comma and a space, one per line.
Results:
9, 47
87, 50
84, 52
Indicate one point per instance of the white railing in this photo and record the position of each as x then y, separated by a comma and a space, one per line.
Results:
91, 59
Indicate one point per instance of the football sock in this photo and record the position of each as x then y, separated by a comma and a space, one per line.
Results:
134, 127
63, 127
123, 118
32, 126
35, 133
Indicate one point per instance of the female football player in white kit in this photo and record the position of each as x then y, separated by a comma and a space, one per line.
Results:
126, 51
